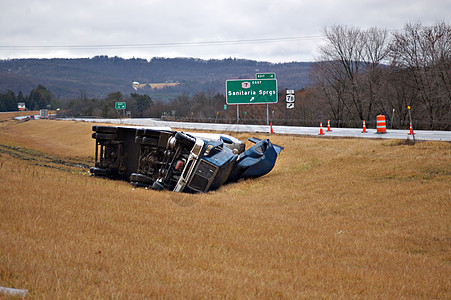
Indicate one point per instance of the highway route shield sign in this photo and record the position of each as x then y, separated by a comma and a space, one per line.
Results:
290, 98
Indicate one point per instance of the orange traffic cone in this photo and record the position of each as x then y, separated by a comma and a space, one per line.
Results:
411, 130
364, 127
272, 131
321, 132
328, 126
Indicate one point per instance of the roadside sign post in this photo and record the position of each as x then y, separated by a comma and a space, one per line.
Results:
251, 91
392, 118
237, 114
120, 106
290, 99
267, 114
410, 118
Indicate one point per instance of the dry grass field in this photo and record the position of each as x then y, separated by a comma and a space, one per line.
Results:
336, 218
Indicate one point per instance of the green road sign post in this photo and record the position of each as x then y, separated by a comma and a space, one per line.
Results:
120, 105
251, 91
265, 76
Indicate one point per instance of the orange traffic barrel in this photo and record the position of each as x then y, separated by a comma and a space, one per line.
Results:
380, 123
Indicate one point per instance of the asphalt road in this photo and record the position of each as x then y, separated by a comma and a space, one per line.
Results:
423, 135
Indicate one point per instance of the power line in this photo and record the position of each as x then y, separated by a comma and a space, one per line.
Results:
158, 45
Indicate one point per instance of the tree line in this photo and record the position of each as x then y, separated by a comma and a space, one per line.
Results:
363, 73
136, 104
39, 98
205, 106
358, 75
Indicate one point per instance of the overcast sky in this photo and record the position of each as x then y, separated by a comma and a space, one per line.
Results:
275, 31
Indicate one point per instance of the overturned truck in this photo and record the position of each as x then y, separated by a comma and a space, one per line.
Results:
163, 159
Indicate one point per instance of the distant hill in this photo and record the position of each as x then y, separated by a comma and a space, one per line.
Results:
98, 76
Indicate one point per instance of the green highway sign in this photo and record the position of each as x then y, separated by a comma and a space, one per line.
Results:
265, 75
250, 91
119, 105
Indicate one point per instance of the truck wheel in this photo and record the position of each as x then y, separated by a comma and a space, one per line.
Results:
185, 139
137, 177
139, 184
158, 186
139, 132
100, 172
104, 136
105, 129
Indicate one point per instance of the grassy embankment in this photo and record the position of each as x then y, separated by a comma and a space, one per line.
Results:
335, 218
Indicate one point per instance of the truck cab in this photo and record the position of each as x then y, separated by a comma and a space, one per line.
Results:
163, 159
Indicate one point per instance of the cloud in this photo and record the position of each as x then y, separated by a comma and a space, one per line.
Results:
50, 27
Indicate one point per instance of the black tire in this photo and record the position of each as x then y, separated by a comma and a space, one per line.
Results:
137, 177
158, 186
105, 129
139, 132
185, 139
104, 136
100, 172
139, 184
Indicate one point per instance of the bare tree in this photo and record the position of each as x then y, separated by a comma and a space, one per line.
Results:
396, 95
345, 45
424, 52
330, 83
375, 51
349, 70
